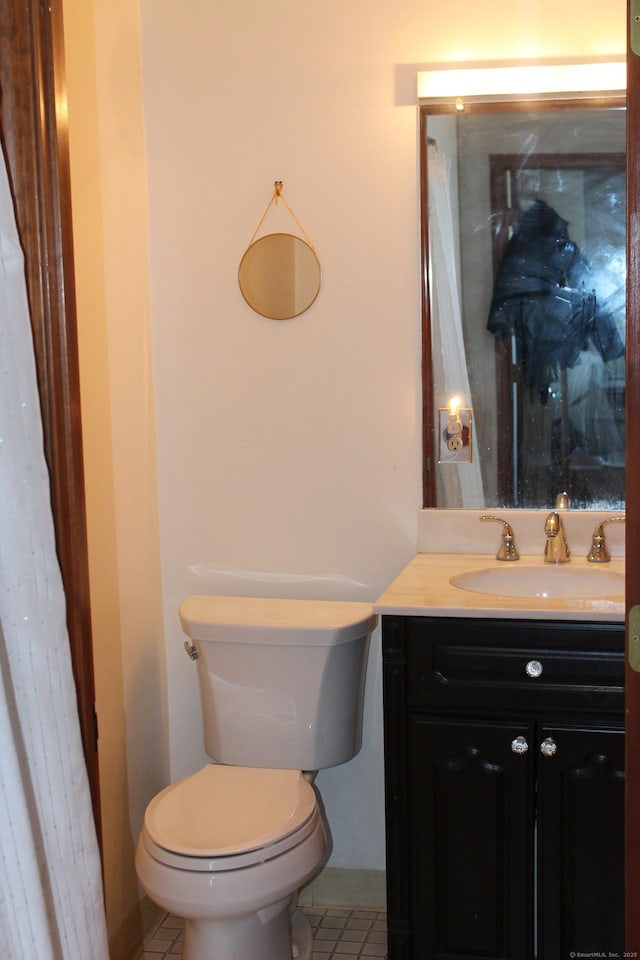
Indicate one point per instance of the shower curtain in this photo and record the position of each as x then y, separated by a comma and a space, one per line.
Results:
459, 485
51, 905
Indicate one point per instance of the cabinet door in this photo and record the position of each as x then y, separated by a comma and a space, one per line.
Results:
471, 821
581, 842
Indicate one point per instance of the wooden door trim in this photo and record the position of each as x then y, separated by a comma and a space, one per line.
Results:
33, 124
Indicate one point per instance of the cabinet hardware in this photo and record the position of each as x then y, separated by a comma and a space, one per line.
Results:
533, 669
519, 745
548, 747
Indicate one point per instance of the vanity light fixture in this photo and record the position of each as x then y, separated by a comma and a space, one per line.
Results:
522, 81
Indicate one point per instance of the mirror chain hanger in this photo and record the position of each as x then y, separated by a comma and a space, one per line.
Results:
278, 195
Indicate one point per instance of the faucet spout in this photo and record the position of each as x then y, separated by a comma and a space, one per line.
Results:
556, 548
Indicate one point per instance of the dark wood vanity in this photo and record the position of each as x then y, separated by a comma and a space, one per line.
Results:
504, 757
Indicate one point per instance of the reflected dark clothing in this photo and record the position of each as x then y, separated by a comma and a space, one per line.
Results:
543, 294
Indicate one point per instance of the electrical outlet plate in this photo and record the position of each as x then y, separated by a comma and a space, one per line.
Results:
454, 448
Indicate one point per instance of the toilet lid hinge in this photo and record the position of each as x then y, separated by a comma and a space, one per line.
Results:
191, 649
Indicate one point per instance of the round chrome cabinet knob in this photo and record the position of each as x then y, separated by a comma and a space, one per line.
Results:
519, 745
533, 669
548, 747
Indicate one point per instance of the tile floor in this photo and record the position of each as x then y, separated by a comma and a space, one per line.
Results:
338, 934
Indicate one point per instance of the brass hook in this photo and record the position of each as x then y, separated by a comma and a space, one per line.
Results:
278, 187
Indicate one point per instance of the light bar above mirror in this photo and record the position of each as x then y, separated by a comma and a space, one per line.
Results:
455, 85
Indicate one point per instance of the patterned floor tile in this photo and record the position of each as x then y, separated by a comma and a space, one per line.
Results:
338, 934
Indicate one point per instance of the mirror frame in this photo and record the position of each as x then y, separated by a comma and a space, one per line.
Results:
264, 304
429, 454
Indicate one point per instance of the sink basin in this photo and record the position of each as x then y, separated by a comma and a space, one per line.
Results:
548, 583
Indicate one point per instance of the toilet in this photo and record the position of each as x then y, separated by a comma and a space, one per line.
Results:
229, 847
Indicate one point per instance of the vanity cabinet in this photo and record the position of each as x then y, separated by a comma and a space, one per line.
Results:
504, 757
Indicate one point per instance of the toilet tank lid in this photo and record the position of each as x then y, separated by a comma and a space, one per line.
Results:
271, 620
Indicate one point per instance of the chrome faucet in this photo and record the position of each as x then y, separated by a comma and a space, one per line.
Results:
556, 549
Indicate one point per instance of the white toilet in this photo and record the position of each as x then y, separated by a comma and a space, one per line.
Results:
228, 848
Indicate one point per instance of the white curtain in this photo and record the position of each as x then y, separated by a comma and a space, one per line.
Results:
51, 904
459, 485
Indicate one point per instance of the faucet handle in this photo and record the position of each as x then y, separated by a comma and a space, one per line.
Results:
507, 549
563, 501
599, 552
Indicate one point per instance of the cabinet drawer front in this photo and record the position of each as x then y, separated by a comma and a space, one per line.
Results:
489, 664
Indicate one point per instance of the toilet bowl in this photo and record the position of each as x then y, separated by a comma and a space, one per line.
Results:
227, 849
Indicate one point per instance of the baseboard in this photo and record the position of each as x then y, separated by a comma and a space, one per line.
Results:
129, 939
346, 888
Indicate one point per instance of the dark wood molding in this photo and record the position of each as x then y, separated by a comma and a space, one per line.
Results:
428, 412
33, 125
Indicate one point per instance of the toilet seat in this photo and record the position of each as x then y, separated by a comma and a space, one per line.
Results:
227, 818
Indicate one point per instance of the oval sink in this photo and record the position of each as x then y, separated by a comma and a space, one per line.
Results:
545, 583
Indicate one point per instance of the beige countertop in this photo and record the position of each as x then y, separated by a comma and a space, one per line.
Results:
423, 588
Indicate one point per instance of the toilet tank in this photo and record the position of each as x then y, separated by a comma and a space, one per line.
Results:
281, 681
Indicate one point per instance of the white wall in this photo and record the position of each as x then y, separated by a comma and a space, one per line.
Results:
109, 205
289, 452
286, 449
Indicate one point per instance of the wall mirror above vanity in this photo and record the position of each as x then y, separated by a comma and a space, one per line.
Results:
523, 208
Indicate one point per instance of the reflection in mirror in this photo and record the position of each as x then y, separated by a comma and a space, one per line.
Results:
279, 276
525, 314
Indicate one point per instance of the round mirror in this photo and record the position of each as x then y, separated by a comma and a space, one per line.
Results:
279, 276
